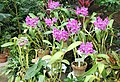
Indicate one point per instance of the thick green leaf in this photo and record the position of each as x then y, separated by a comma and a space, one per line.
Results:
46, 57
3, 15
47, 42
31, 72
102, 56
66, 62
32, 15
82, 34
17, 79
11, 79
1, 6
66, 11
41, 78
111, 23
97, 31
56, 56
115, 56
73, 45
90, 78
104, 73
48, 32
108, 71
7, 44
56, 14
101, 67
92, 70
93, 15
62, 25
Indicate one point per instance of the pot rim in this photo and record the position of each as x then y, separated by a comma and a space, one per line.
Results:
78, 68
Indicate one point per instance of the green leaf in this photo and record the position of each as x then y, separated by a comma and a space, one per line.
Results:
66, 62
103, 56
62, 25
55, 57
46, 57
7, 44
101, 67
111, 23
108, 71
56, 14
93, 15
115, 56
92, 70
3, 15
90, 78
41, 15
104, 73
73, 45
82, 34
66, 11
17, 79
31, 72
32, 15
48, 32
98, 32
11, 79
1, 6
47, 42
41, 78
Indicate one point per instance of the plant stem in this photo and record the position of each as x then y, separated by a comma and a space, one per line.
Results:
94, 41
27, 60
20, 56
17, 16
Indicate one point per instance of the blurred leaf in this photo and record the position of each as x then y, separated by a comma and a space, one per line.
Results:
66, 62
32, 15
7, 44
11, 79
17, 79
2, 16
48, 32
41, 78
73, 45
103, 56
46, 57
98, 32
82, 34
56, 14
31, 72
66, 11
55, 57
90, 78
101, 67
1, 6
47, 42
104, 73
92, 70
111, 23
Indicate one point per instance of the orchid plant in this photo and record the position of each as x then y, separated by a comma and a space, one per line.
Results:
71, 26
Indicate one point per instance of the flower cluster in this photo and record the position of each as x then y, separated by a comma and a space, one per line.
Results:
83, 10
60, 34
22, 41
52, 5
73, 26
49, 22
31, 21
86, 48
100, 24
